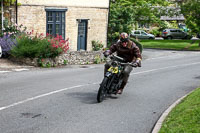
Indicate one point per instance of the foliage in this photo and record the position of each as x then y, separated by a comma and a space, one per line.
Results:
12, 29
6, 43
191, 12
8, 2
65, 62
125, 13
97, 45
155, 32
39, 47
137, 43
97, 59
185, 117
8, 38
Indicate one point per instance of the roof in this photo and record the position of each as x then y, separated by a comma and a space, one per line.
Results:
181, 17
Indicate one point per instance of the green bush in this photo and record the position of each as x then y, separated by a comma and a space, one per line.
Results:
155, 32
39, 46
65, 62
97, 45
97, 59
137, 43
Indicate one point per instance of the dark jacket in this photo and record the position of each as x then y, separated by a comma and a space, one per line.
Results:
129, 53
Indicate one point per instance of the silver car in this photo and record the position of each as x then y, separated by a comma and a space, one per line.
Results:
140, 34
175, 34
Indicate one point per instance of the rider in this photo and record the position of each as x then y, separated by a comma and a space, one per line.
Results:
128, 50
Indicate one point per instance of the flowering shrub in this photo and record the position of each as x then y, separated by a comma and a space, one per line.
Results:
8, 36
96, 45
6, 43
12, 29
58, 45
39, 46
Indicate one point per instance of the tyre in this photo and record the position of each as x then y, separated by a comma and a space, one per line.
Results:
189, 37
151, 38
169, 37
102, 90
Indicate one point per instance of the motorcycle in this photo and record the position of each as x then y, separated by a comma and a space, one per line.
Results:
113, 78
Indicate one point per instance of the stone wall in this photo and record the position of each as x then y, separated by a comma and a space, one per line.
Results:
71, 58
80, 57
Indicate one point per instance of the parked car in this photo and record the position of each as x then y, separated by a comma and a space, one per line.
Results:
140, 34
175, 34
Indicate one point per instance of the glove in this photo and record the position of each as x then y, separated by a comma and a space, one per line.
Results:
137, 63
106, 53
134, 64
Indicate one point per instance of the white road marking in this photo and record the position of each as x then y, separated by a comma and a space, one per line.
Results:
21, 69
61, 90
15, 70
168, 56
4, 71
42, 95
152, 70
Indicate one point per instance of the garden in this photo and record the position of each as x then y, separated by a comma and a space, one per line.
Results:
17, 42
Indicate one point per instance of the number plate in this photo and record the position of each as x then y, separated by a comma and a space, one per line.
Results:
113, 69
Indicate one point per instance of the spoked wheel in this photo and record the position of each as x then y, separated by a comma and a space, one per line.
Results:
102, 90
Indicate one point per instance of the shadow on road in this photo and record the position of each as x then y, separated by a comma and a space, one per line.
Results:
84, 97
88, 97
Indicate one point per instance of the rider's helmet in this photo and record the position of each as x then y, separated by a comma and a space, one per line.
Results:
124, 37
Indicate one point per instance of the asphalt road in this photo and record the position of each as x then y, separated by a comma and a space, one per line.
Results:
63, 100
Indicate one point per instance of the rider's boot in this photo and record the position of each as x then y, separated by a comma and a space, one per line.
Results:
122, 88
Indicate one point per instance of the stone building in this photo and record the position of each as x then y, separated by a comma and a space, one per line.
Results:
79, 20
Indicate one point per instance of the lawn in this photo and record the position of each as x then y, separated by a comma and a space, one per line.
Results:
185, 117
171, 44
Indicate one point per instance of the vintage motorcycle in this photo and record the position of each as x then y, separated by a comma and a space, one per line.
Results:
113, 78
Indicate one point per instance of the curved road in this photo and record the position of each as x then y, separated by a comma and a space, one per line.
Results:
63, 100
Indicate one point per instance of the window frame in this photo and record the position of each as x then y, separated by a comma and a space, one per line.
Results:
62, 15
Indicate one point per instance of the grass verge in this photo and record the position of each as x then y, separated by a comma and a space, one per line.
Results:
172, 44
185, 117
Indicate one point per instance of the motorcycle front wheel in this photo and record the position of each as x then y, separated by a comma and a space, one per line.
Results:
102, 90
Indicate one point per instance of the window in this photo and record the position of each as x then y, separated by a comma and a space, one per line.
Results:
173, 30
143, 33
55, 22
137, 32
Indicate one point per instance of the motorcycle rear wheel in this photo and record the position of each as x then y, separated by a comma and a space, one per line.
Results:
102, 90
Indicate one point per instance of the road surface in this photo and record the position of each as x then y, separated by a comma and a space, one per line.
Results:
63, 100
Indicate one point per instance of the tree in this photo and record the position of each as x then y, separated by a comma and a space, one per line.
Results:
125, 13
191, 11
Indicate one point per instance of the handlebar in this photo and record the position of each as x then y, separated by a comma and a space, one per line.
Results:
128, 63
122, 60
117, 57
